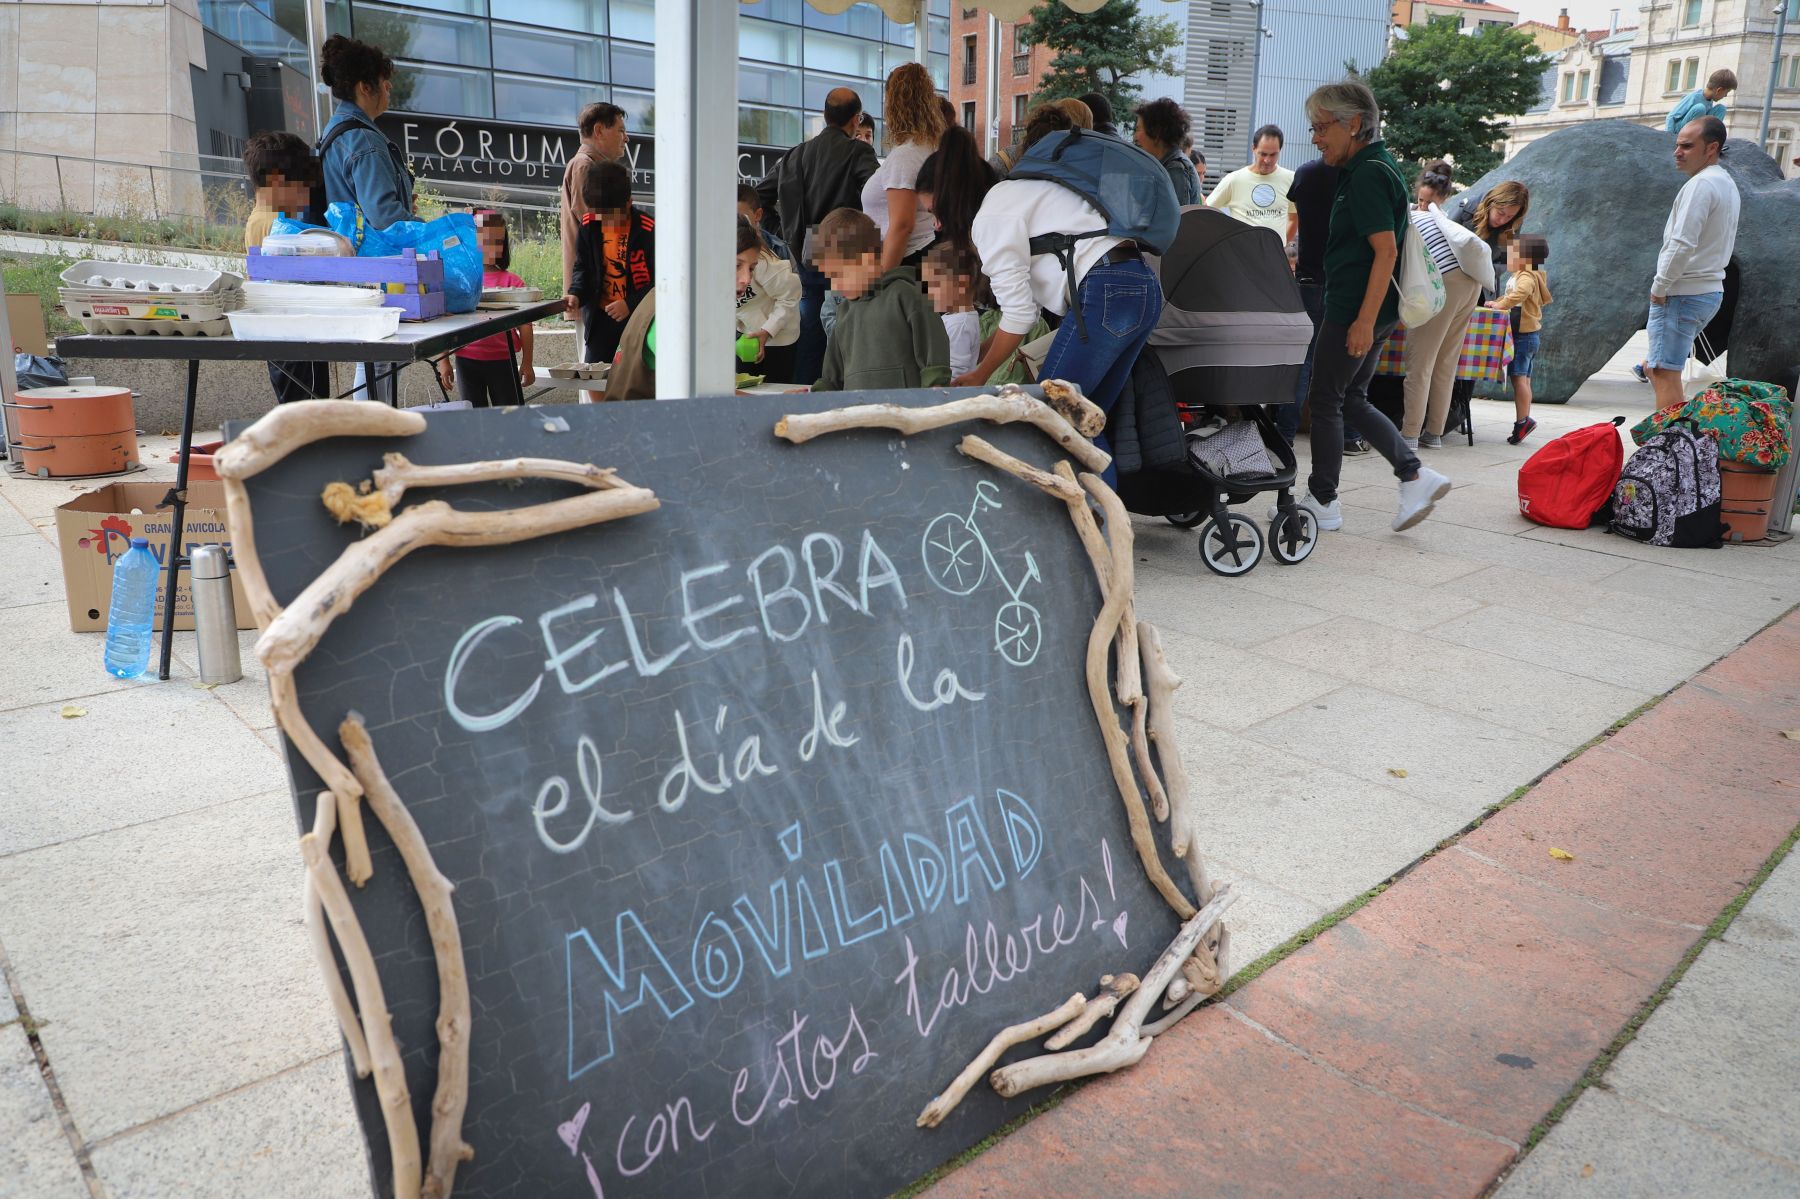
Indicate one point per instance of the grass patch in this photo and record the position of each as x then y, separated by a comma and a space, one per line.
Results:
30, 275
1598, 1067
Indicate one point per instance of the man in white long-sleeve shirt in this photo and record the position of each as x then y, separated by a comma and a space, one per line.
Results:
1690, 271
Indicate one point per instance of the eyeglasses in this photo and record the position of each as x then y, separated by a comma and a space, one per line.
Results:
1319, 127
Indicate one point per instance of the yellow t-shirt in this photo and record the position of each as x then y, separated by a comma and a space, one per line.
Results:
1256, 199
257, 227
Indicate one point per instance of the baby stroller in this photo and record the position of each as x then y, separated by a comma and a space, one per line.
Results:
1190, 434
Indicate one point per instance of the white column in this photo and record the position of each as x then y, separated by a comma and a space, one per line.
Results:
921, 31
696, 196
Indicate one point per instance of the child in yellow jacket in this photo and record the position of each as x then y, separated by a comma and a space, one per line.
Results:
1528, 292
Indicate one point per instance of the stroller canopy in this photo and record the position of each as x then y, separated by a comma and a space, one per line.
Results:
1230, 297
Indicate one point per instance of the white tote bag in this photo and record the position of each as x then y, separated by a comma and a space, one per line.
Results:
1416, 276
1472, 254
1697, 376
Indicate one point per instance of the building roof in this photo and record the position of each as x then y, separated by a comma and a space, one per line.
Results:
1470, 6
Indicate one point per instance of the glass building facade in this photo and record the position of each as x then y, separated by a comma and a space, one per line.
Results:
537, 62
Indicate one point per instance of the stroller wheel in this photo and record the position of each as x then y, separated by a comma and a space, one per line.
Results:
1292, 536
1186, 520
1232, 546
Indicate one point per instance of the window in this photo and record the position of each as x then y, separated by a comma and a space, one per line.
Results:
1568, 92
844, 55
634, 19
634, 66
1690, 77
1672, 84
1788, 74
432, 37
640, 107
1690, 13
446, 91
1581, 87
1780, 148
546, 52
769, 42
1019, 109
968, 115
968, 64
542, 101
768, 85
568, 16
768, 126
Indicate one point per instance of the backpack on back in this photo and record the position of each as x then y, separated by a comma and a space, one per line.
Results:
1128, 187
1669, 492
1569, 483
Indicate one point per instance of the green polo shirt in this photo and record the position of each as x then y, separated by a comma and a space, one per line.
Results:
1370, 199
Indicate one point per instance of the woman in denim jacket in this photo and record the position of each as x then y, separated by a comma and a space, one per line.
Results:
362, 167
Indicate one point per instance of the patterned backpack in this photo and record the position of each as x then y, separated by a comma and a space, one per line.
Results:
1669, 493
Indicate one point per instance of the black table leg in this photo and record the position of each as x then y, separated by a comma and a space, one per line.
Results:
177, 498
512, 359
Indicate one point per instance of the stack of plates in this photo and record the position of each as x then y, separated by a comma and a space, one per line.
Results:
324, 298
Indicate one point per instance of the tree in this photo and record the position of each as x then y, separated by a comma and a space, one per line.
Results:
1446, 94
1100, 51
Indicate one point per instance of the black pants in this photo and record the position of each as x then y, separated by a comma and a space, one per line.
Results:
300, 380
1340, 395
487, 383
777, 365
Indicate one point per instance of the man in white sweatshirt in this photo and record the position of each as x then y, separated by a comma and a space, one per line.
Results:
1690, 271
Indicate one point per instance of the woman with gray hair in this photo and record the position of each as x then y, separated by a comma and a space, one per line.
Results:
1368, 218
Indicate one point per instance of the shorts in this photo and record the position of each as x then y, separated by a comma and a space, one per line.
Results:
1674, 325
1525, 348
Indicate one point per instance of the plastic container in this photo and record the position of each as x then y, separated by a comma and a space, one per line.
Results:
265, 295
355, 324
92, 275
128, 621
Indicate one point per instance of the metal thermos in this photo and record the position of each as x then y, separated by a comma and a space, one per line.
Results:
215, 616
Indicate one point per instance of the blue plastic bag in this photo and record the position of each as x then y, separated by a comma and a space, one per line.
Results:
451, 237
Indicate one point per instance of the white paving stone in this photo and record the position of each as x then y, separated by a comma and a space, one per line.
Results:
294, 1136
137, 754
36, 1160
183, 970
1639, 663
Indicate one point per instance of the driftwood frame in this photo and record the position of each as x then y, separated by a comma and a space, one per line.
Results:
1189, 970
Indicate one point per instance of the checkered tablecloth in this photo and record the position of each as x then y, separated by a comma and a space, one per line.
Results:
1486, 350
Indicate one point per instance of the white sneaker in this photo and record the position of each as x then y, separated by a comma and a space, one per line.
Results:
1419, 496
1412, 443
1330, 516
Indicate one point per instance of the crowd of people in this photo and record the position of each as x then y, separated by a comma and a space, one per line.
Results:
927, 264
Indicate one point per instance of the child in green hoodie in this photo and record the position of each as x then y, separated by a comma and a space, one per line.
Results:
887, 334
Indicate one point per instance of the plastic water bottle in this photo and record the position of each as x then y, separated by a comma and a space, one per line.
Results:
133, 608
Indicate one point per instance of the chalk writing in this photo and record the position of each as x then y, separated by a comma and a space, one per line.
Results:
613, 976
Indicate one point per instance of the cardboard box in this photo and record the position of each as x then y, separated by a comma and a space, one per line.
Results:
95, 528
25, 321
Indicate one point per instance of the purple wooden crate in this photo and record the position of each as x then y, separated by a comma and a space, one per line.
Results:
408, 282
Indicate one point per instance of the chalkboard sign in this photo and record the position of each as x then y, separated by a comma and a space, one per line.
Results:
764, 810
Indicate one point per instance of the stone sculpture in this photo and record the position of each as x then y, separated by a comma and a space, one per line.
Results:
1600, 191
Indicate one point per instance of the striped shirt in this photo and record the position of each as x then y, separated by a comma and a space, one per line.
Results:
1436, 244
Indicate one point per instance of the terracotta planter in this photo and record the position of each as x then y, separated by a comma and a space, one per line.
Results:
66, 432
1747, 497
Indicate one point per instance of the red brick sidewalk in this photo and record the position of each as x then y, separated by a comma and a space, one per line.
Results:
1410, 1049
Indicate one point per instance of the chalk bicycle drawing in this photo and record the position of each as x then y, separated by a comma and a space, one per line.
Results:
957, 558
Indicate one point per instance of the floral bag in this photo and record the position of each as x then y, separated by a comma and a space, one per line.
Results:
1748, 420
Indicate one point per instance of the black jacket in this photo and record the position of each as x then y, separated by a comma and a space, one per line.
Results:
813, 178
588, 273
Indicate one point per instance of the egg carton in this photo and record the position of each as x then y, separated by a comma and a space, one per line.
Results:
94, 276
117, 325
143, 308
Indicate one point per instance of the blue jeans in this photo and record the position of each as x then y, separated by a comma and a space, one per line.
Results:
1674, 325
1120, 302
1287, 417
809, 350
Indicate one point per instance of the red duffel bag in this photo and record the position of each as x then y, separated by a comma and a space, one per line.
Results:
1567, 483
